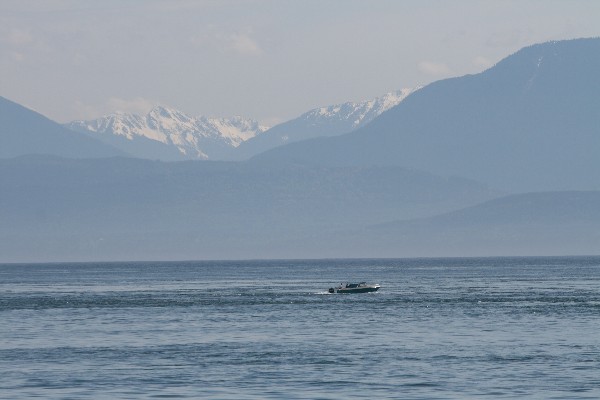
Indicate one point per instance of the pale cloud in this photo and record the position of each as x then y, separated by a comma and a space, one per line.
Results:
482, 62
18, 43
18, 37
245, 45
241, 43
508, 39
17, 56
82, 111
271, 121
138, 105
433, 68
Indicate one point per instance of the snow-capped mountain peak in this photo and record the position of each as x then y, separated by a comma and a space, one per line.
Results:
322, 121
168, 133
357, 114
194, 137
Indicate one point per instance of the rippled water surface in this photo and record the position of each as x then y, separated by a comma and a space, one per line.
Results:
438, 328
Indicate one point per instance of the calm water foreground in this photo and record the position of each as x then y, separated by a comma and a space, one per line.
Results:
438, 328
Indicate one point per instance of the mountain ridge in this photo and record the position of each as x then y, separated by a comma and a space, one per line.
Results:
123, 207
331, 120
535, 223
528, 123
171, 135
24, 131
192, 137
388, 189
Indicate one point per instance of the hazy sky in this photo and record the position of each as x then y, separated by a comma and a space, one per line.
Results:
269, 60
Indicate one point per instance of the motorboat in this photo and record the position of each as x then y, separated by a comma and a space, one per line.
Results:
362, 287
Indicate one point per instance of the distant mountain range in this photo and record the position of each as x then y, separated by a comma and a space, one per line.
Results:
321, 122
530, 123
528, 224
55, 209
168, 134
124, 208
23, 131
504, 162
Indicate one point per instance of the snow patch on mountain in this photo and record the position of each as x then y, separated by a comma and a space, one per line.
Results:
357, 114
332, 120
190, 135
169, 134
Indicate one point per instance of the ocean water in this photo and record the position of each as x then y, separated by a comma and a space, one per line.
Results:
438, 328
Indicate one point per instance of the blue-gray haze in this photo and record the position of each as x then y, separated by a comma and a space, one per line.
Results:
528, 124
63, 209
